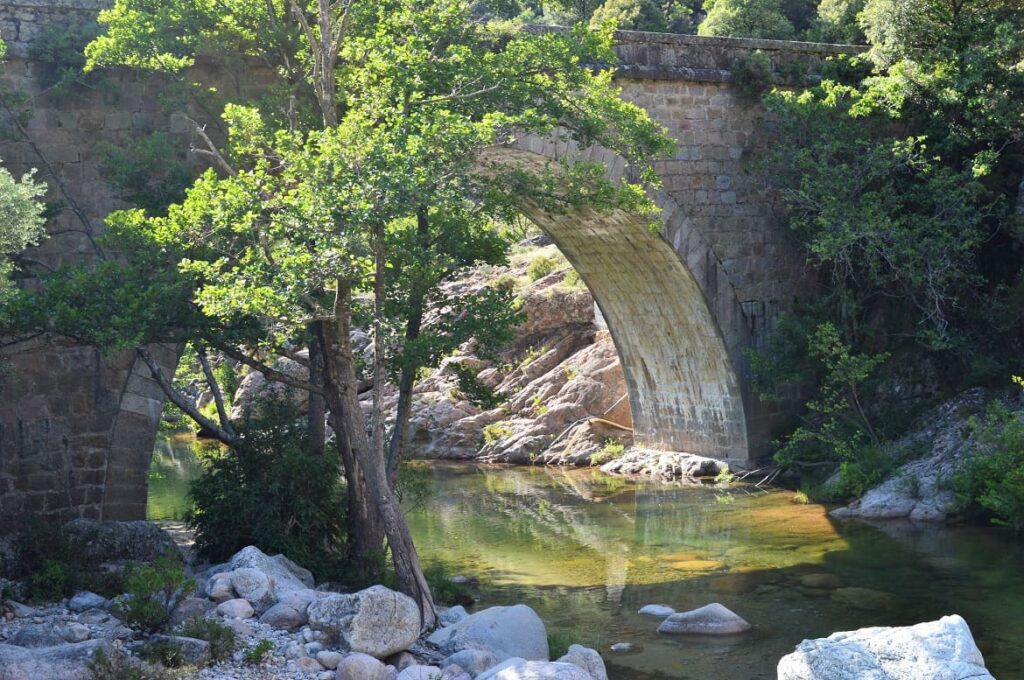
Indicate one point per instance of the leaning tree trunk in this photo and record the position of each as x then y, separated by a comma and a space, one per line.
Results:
408, 570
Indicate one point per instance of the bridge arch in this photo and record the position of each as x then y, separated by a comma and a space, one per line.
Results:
673, 314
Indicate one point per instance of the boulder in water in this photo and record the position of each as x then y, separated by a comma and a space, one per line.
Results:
711, 619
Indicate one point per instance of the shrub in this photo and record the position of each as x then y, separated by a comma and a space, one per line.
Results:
991, 483
559, 642
272, 490
496, 431
53, 566
221, 637
49, 583
120, 666
541, 266
152, 593
611, 450
473, 390
752, 74
256, 654
162, 652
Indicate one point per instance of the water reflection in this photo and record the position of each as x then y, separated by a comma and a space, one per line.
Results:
587, 550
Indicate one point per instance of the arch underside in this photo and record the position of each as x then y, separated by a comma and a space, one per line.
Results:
683, 388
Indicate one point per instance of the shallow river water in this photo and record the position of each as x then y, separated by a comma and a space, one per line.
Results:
587, 550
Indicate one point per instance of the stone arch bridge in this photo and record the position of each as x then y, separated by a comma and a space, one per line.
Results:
77, 428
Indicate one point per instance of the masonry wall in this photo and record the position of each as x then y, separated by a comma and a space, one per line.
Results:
77, 427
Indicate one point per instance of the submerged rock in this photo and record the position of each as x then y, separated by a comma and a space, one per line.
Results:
377, 621
711, 619
506, 632
656, 610
937, 650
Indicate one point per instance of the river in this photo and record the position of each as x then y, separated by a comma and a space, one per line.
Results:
587, 550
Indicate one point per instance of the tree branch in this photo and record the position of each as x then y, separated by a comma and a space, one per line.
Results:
271, 373
178, 399
218, 396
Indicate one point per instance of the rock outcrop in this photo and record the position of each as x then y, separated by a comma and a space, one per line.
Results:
941, 650
505, 632
918, 489
377, 621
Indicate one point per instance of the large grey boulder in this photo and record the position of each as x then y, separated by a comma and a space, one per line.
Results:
521, 669
110, 541
377, 621
86, 600
588, 659
40, 635
358, 666
255, 586
192, 650
711, 619
286, 574
936, 650
285, 617
664, 465
67, 662
506, 632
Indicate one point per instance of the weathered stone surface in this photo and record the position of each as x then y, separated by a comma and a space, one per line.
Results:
40, 635
588, 659
453, 615
66, 662
329, 659
255, 586
711, 619
938, 650
418, 672
219, 587
86, 600
287, 575
506, 632
236, 609
110, 541
358, 666
663, 465
284, 616
473, 661
74, 632
521, 669
376, 621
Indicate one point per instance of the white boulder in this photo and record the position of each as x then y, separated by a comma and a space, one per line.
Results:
588, 659
521, 669
377, 621
937, 650
506, 632
711, 619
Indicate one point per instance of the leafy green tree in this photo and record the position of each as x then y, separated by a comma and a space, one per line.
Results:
632, 15
371, 173
746, 19
21, 217
836, 22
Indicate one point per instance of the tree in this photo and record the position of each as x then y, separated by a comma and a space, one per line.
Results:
370, 174
632, 15
746, 19
21, 218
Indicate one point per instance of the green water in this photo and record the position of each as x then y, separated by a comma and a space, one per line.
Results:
587, 550
173, 466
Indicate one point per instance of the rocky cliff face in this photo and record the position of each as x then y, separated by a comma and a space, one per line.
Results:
556, 394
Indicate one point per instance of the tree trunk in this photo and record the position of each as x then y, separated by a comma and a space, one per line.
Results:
407, 380
408, 571
317, 403
365, 530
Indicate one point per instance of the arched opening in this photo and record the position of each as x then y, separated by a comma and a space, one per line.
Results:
683, 385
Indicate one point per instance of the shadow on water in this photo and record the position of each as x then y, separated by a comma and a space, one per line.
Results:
587, 551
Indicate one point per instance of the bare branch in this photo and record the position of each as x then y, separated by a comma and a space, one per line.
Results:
218, 397
272, 374
211, 149
187, 406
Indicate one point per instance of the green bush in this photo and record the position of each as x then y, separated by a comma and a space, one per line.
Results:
162, 652
473, 390
53, 566
152, 593
752, 74
541, 266
611, 450
258, 653
221, 637
496, 431
49, 583
272, 490
991, 484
